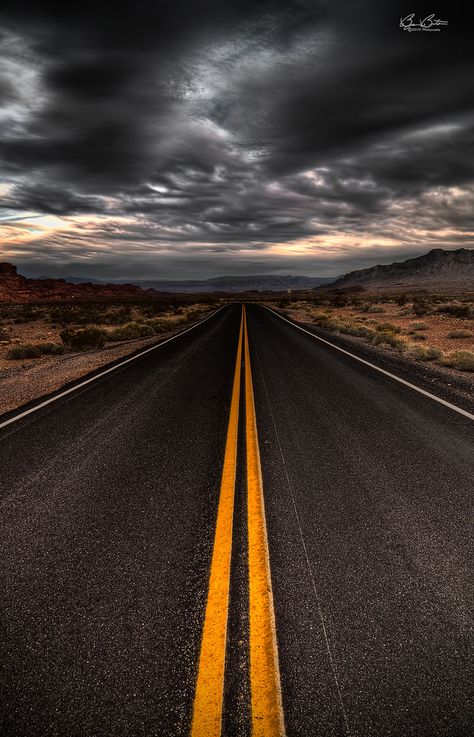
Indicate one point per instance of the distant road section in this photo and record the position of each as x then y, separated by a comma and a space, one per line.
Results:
243, 532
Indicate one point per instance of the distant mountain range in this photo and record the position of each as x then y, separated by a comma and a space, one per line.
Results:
436, 271
258, 283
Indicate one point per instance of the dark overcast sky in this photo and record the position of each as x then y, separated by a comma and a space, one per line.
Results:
185, 139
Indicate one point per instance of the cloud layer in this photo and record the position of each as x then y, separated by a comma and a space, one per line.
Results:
202, 138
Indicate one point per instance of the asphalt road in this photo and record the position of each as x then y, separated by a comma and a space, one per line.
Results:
109, 501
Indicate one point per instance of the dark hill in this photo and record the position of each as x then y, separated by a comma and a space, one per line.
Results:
436, 271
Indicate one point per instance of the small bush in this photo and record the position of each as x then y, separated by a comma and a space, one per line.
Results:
82, 340
375, 310
51, 349
418, 336
117, 316
421, 306
457, 310
360, 331
25, 313
340, 300
390, 340
426, 354
387, 327
74, 315
463, 360
460, 334
131, 331
23, 351
35, 350
419, 326
159, 326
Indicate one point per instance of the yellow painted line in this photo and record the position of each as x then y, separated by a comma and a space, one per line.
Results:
209, 694
267, 709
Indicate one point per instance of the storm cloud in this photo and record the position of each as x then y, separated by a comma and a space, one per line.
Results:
222, 137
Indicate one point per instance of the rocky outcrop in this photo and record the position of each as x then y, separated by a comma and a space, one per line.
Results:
17, 288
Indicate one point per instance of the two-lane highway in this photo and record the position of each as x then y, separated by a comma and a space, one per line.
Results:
241, 532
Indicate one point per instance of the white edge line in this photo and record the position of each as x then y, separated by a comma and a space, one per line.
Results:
377, 368
103, 373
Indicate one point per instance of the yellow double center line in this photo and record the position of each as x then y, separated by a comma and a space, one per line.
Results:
266, 705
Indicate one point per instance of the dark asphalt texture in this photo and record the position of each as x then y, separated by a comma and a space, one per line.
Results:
107, 511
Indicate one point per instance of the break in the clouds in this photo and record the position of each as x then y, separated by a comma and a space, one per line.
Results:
195, 138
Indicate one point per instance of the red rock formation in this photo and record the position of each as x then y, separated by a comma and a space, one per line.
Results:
17, 288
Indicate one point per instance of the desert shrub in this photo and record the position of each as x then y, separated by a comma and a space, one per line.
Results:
159, 326
463, 360
419, 326
460, 334
389, 339
340, 300
21, 312
51, 349
62, 315
401, 299
332, 323
360, 331
421, 306
34, 350
80, 314
116, 317
83, 339
418, 336
406, 311
457, 310
131, 331
426, 354
190, 315
27, 350
387, 327
384, 334
152, 310
25, 313
374, 310
319, 317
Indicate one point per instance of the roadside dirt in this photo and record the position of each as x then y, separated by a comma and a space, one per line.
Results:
25, 380
450, 383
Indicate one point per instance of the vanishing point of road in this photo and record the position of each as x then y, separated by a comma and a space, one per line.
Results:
244, 531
